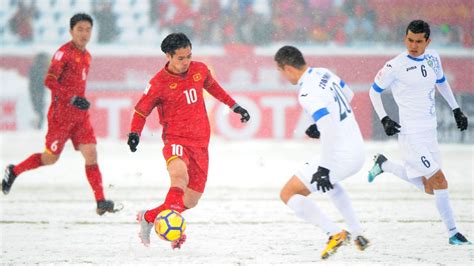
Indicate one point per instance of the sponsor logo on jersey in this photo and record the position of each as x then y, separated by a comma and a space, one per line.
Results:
380, 74
58, 55
411, 68
78, 59
148, 86
324, 80
304, 95
197, 77
388, 65
173, 85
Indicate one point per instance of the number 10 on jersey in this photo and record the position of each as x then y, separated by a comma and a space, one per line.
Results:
191, 95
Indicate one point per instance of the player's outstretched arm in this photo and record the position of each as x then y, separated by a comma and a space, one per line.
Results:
245, 116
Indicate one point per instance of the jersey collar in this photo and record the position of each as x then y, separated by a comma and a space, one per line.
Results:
300, 81
418, 59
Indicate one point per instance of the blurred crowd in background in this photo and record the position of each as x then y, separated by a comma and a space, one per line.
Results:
245, 22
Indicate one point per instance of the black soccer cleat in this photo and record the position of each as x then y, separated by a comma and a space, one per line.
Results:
361, 242
104, 206
8, 179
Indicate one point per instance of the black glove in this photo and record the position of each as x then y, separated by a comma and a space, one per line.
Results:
391, 127
461, 119
313, 132
81, 103
321, 177
133, 140
243, 113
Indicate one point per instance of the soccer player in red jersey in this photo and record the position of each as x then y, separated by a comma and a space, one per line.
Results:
68, 116
177, 92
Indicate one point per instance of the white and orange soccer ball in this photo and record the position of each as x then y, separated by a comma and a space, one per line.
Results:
170, 225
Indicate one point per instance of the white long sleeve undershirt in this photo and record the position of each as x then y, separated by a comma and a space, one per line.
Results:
376, 100
445, 91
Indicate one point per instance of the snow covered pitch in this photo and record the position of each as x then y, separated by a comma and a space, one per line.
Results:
49, 216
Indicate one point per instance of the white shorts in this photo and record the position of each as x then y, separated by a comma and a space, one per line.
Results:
348, 164
420, 153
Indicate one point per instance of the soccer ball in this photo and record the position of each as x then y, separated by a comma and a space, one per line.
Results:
170, 225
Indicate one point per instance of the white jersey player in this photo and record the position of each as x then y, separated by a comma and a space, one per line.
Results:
326, 98
412, 77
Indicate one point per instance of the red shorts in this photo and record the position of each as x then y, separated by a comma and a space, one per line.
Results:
196, 159
59, 133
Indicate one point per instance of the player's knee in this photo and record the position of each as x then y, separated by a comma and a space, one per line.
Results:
48, 159
177, 169
428, 187
438, 182
285, 194
90, 156
191, 204
177, 173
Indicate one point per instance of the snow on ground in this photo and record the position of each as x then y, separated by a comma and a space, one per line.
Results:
49, 216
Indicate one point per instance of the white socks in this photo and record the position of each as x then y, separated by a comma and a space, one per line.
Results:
400, 171
445, 211
343, 203
307, 210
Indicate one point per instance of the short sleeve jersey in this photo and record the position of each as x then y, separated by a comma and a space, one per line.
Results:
412, 81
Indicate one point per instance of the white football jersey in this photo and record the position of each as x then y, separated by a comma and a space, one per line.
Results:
412, 81
322, 95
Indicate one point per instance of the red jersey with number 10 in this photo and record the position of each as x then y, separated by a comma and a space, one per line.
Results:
180, 103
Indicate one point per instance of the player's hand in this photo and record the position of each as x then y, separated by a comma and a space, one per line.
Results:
391, 127
80, 102
133, 140
321, 177
313, 132
461, 119
243, 113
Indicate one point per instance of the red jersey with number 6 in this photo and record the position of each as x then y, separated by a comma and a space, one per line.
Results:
66, 78
180, 103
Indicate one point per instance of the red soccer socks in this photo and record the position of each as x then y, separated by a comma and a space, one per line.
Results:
95, 180
32, 162
173, 201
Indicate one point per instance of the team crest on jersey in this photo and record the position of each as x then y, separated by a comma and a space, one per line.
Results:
197, 77
173, 85
433, 62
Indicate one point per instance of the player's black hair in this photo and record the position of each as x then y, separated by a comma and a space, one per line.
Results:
80, 17
419, 26
289, 55
175, 41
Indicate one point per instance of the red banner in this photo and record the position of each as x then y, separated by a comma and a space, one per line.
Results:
246, 72
116, 83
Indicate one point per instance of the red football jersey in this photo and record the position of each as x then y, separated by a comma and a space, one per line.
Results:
66, 78
180, 103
